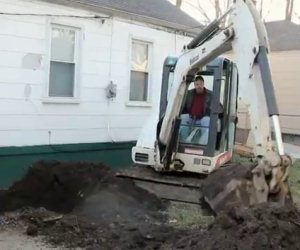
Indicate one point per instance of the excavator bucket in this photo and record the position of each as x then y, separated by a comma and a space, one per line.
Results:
229, 185
246, 185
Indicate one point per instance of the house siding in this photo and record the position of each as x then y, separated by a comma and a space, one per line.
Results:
286, 80
286, 77
27, 119
15, 161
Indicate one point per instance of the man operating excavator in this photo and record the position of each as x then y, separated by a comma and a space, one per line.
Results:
197, 103
196, 110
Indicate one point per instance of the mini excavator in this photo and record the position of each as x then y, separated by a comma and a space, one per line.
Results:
208, 149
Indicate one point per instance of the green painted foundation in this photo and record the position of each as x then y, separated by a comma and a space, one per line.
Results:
15, 161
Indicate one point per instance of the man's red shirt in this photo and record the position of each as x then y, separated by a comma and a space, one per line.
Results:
197, 109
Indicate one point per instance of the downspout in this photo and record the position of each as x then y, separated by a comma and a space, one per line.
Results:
109, 77
175, 41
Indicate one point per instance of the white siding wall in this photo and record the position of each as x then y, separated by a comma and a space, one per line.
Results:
104, 55
286, 76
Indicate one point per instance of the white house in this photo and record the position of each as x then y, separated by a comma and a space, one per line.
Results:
57, 59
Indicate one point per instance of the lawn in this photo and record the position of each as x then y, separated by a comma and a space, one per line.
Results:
294, 181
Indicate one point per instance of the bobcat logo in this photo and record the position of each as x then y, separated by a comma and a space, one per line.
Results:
194, 59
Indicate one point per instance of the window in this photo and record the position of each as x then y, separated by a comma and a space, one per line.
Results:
63, 61
139, 73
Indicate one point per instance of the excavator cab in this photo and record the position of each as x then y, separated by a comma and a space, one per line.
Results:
210, 139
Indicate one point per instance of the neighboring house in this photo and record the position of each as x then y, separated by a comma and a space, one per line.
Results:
284, 38
62, 64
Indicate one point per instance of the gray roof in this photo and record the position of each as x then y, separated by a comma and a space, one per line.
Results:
283, 35
159, 12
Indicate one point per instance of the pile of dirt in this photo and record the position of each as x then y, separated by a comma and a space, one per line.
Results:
265, 226
57, 186
97, 208
72, 231
65, 186
93, 209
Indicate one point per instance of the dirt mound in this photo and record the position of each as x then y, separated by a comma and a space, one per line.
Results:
63, 186
266, 226
97, 208
73, 231
58, 186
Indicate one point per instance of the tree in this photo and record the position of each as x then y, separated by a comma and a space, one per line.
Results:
289, 9
217, 8
178, 3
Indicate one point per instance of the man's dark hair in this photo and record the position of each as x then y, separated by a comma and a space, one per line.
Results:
199, 78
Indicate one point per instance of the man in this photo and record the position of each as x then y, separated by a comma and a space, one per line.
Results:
197, 102
196, 111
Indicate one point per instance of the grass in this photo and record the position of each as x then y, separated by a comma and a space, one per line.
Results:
188, 216
294, 181
240, 159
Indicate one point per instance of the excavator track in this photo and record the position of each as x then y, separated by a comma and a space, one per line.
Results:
224, 186
173, 186
238, 184
230, 185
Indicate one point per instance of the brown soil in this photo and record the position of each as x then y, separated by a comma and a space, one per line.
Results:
264, 227
73, 231
95, 210
99, 209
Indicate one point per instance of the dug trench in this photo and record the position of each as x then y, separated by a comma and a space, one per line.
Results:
83, 205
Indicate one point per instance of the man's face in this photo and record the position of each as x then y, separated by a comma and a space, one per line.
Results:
199, 86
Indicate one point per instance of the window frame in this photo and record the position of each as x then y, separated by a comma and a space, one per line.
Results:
150, 43
77, 59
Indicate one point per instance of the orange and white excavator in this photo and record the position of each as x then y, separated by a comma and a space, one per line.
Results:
209, 146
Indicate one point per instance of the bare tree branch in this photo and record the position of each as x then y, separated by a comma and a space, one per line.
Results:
261, 8
178, 3
217, 8
287, 8
203, 12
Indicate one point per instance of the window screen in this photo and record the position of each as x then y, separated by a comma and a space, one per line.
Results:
139, 74
62, 64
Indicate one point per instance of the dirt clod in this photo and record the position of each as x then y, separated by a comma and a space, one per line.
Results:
225, 221
32, 230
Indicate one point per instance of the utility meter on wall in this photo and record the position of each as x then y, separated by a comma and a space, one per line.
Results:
111, 90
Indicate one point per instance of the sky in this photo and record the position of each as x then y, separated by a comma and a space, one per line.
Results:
272, 9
